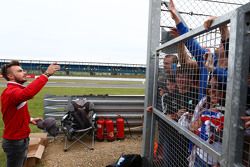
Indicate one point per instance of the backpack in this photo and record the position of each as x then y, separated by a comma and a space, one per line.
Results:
128, 160
79, 115
82, 112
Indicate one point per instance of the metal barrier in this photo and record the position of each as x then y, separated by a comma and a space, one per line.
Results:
129, 107
210, 132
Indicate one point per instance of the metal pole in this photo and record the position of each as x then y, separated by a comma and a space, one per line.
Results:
236, 87
153, 42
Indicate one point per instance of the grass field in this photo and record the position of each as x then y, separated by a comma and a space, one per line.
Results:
36, 104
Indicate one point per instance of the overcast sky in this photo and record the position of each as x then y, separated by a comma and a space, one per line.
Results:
111, 31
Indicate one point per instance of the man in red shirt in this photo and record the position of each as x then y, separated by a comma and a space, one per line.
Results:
15, 112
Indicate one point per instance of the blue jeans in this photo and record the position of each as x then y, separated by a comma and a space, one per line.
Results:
16, 151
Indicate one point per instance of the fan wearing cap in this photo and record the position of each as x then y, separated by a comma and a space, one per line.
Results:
15, 113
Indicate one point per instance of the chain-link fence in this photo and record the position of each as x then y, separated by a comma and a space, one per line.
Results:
194, 12
200, 86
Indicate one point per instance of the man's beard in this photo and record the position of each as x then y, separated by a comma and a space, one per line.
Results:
20, 81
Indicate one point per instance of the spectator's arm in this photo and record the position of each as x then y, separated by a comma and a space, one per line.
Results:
149, 109
208, 22
173, 12
184, 58
192, 45
224, 32
21, 95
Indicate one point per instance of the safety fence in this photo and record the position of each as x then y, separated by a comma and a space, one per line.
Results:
105, 106
200, 85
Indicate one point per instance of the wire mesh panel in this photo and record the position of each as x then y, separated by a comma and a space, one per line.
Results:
194, 12
246, 151
246, 118
192, 95
190, 91
171, 148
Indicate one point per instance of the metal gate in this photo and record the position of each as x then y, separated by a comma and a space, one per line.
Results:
197, 86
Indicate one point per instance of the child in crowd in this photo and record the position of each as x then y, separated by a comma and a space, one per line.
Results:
168, 101
208, 120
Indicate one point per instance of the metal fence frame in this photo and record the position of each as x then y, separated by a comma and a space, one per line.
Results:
236, 89
153, 42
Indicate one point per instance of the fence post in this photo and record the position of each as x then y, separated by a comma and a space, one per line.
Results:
238, 64
153, 42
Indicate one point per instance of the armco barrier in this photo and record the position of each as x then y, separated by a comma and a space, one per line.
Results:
129, 107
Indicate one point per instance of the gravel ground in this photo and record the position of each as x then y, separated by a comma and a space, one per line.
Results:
105, 153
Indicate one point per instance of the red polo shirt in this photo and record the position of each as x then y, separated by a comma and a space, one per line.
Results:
14, 108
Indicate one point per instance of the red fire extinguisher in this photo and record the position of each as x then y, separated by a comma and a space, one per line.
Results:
120, 128
110, 129
100, 129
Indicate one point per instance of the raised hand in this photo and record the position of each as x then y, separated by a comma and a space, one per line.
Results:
52, 69
173, 12
208, 22
209, 64
173, 32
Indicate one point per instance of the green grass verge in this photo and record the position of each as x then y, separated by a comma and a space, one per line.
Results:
36, 104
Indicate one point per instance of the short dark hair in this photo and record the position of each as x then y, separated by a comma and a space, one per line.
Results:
174, 57
5, 67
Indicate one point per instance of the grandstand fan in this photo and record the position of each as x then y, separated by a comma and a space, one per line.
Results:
186, 95
15, 112
169, 66
170, 63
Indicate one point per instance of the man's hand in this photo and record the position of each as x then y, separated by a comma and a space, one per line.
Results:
195, 125
209, 22
246, 119
149, 109
209, 64
34, 120
52, 69
173, 12
223, 29
224, 32
181, 112
173, 32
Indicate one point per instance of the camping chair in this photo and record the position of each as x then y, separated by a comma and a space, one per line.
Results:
78, 122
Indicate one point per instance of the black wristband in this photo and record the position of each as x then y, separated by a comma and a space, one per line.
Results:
47, 74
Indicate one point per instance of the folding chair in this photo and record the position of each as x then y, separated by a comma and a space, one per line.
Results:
72, 129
